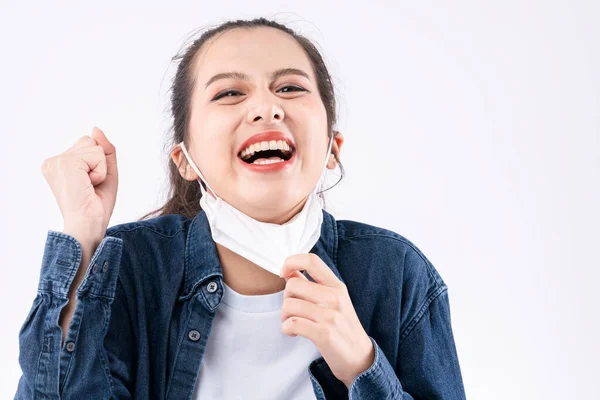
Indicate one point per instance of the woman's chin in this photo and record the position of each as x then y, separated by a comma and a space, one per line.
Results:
266, 193
272, 205
268, 200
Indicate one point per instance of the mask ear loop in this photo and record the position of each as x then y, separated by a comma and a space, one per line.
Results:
187, 156
324, 169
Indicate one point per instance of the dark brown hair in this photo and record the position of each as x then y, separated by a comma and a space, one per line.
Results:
184, 196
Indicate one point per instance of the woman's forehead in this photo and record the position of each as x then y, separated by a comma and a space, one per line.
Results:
256, 51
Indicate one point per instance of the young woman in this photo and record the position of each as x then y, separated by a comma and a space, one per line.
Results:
242, 286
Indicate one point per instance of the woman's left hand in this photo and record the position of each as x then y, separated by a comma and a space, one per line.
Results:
323, 312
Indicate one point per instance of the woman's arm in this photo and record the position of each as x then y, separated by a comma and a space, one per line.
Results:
83, 366
428, 364
427, 358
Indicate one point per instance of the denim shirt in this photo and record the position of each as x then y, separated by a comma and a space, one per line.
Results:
145, 308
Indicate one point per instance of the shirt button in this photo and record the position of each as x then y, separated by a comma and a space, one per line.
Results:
70, 346
95, 268
194, 335
105, 266
212, 287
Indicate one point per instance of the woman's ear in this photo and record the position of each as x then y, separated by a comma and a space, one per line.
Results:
336, 147
185, 169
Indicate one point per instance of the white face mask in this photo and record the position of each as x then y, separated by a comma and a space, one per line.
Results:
265, 244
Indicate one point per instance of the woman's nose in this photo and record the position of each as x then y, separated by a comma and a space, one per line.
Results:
275, 116
267, 109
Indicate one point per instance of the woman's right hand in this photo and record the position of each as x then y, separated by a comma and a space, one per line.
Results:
84, 181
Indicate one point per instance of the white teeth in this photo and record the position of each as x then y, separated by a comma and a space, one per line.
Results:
268, 161
262, 146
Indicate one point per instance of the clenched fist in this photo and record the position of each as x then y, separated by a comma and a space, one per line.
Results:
84, 181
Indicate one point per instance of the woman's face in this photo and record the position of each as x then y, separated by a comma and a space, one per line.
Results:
227, 112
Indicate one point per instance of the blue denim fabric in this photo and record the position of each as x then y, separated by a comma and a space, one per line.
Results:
145, 298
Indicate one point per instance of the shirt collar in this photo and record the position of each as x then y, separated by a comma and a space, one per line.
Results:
202, 260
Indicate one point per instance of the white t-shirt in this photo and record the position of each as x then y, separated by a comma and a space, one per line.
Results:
248, 356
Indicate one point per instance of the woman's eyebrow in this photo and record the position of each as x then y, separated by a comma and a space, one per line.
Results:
240, 75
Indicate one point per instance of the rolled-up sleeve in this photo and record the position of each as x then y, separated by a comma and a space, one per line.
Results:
80, 368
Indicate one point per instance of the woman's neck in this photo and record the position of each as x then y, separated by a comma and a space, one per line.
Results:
245, 277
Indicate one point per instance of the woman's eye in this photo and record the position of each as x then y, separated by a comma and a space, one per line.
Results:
231, 93
297, 88
225, 94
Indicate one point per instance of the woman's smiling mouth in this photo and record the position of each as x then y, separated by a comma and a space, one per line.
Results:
267, 151
268, 162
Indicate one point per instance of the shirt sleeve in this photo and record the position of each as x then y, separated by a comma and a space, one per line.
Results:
83, 366
428, 364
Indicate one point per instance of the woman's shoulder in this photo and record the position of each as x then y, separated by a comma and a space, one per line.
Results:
165, 225
362, 232
350, 229
152, 254
388, 249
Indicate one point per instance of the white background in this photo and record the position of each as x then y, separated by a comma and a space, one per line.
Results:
472, 128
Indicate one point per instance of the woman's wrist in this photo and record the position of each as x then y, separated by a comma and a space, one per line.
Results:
89, 236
